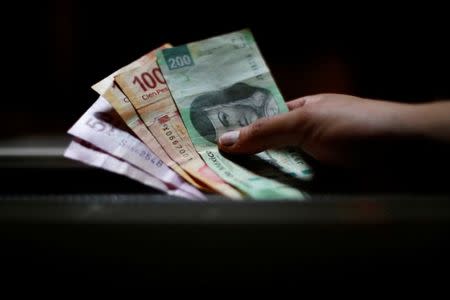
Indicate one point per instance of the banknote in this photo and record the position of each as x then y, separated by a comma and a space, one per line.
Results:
145, 87
80, 151
123, 107
101, 126
221, 84
111, 92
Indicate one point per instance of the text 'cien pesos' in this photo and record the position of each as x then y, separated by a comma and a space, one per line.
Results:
155, 93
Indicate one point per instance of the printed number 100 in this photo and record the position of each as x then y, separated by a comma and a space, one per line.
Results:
149, 80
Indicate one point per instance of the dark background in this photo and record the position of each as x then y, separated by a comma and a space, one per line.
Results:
53, 51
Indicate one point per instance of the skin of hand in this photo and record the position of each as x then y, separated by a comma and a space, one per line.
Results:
345, 130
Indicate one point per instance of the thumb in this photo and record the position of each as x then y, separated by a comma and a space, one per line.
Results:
278, 131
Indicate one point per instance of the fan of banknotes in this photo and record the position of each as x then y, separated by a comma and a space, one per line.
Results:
158, 119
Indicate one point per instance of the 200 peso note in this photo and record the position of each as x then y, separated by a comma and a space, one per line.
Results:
221, 84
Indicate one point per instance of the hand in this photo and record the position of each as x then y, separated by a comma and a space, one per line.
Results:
341, 129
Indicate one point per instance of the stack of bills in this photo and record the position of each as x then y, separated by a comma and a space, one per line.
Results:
158, 119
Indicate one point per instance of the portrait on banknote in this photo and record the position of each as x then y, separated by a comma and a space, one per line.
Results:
238, 105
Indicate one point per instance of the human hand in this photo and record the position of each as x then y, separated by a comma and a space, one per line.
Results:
334, 129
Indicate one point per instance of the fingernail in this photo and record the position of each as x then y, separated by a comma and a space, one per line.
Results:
229, 138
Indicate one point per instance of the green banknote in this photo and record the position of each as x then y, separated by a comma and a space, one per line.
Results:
221, 84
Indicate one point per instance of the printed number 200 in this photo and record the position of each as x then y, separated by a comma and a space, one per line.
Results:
180, 61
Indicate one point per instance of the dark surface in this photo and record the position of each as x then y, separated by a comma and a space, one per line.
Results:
108, 241
73, 224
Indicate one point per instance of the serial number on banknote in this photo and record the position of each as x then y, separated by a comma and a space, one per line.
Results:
140, 152
170, 135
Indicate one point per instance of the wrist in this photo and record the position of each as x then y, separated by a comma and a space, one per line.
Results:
428, 121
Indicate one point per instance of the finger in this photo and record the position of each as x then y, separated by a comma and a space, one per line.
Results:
266, 133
